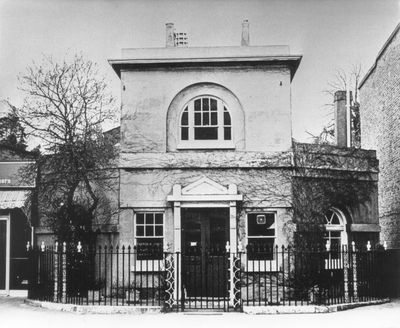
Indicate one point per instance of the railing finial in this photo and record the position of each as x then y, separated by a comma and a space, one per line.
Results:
64, 247
368, 245
42, 246
353, 246
28, 246
328, 245
385, 245
56, 246
79, 247
227, 247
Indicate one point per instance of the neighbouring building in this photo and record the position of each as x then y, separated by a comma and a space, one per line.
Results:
380, 118
15, 220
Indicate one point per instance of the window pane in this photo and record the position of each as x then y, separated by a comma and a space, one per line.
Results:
206, 133
261, 224
197, 105
213, 104
184, 120
214, 118
159, 230
149, 218
227, 134
149, 249
139, 218
227, 118
197, 119
260, 248
185, 133
139, 231
150, 231
158, 218
206, 118
206, 104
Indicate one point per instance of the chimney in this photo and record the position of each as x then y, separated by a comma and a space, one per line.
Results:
170, 37
245, 33
342, 133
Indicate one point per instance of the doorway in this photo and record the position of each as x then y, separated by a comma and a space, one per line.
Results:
205, 232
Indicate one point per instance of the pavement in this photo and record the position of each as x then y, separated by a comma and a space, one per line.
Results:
15, 313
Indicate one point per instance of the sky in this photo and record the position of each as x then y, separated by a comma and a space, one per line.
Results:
330, 35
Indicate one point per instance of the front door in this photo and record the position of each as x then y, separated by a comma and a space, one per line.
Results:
204, 257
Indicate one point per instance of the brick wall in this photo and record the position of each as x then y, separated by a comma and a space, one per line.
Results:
380, 130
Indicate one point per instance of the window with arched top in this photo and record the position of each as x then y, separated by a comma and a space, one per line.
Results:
206, 121
334, 228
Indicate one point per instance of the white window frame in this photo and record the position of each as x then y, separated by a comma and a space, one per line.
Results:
330, 263
261, 265
147, 265
192, 143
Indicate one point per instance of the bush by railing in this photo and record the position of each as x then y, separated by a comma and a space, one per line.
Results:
206, 278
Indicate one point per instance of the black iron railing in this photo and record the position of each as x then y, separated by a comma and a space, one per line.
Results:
210, 278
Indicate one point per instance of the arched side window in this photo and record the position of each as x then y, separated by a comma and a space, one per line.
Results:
205, 118
335, 229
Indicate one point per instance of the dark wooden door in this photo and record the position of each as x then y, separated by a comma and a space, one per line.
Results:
204, 258
3, 253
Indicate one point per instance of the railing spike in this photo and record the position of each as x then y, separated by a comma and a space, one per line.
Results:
28, 246
368, 245
353, 246
79, 247
42, 246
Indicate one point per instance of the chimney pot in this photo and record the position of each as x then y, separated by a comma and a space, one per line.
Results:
245, 33
170, 37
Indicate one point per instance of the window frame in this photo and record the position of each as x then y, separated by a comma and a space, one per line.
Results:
261, 265
192, 143
147, 265
333, 262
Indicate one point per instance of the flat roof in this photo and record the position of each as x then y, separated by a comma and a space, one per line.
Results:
200, 56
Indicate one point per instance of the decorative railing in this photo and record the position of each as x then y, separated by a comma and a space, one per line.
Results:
207, 278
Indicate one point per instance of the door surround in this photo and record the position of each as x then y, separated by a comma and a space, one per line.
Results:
204, 193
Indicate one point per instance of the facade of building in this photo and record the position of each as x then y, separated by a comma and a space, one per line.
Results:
15, 225
207, 157
380, 115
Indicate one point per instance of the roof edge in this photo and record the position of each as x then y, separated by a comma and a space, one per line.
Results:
380, 53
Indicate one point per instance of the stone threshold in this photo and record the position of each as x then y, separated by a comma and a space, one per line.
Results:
307, 309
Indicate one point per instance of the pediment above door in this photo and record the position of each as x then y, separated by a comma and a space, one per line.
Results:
205, 189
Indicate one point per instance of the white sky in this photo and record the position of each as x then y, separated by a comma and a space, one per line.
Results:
330, 34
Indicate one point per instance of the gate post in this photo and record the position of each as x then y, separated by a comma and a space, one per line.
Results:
64, 273
354, 264
346, 273
55, 272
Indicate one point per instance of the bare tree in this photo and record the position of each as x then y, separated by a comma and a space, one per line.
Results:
65, 106
343, 80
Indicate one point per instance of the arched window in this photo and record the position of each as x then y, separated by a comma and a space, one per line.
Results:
335, 229
205, 121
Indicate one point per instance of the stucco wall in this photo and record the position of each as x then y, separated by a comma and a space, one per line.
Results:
262, 190
380, 121
263, 93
